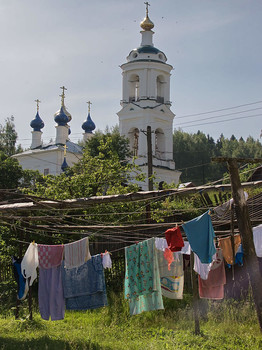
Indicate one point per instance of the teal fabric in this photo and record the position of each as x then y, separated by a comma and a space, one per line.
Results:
200, 234
142, 280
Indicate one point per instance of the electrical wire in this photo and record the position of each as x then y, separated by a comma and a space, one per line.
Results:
219, 110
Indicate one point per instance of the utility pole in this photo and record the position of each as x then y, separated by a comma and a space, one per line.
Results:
148, 134
149, 158
245, 230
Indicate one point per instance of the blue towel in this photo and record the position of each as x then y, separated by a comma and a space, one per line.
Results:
84, 286
200, 234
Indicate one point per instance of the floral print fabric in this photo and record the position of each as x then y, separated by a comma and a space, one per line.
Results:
142, 280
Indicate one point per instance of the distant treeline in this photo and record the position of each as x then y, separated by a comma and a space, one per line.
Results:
193, 153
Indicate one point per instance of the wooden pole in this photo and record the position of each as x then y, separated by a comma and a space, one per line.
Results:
149, 158
194, 281
232, 235
246, 234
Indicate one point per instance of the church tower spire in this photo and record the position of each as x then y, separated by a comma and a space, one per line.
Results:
146, 101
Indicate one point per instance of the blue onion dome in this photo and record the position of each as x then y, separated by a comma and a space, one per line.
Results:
60, 117
67, 113
37, 124
88, 126
64, 166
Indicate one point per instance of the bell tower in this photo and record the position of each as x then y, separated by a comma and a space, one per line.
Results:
146, 102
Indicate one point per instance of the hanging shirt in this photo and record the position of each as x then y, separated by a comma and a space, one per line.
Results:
213, 286
84, 286
76, 253
142, 280
50, 255
226, 246
257, 237
174, 239
200, 234
172, 281
30, 263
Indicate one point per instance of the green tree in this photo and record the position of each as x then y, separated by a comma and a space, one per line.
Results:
99, 174
193, 153
10, 172
8, 138
119, 145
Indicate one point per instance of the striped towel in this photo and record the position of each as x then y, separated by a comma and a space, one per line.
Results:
76, 253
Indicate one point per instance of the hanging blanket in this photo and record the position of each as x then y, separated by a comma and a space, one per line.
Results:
84, 286
142, 280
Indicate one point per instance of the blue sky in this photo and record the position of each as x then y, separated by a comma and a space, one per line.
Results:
214, 46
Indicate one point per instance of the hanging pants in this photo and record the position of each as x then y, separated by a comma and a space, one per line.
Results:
50, 294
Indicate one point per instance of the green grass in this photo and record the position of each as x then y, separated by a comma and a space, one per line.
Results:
228, 325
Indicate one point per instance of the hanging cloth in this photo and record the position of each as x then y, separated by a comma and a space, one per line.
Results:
106, 260
213, 286
202, 269
200, 234
257, 237
76, 253
50, 294
22, 283
30, 263
50, 289
142, 280
50, 255
172, 281
226, 246
161, 243
174, 239
84, 286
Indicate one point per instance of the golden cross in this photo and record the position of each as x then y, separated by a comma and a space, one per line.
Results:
37, 104
63, 94
65, 148
89, 104
147, 4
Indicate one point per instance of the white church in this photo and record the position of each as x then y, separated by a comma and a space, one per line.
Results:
145, 102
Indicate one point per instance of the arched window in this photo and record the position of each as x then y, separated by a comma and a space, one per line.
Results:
133, 88
133, 136
160, 143
160, 87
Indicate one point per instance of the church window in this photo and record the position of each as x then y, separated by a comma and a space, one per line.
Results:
160, 85
160, 144
133, 136
134, 88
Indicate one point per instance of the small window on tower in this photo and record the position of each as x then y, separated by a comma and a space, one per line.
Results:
46, 171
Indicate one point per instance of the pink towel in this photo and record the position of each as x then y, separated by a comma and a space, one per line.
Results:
50, 255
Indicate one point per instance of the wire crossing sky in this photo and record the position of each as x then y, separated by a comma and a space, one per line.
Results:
214, 46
